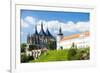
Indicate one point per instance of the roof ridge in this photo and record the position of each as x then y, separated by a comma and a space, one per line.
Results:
75, 36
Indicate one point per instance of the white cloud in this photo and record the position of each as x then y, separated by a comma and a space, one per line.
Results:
39, 25
27, 21
69, 26
54, 25
22, 33
56, 32
38, 28
30, 20
24, 24
83, 26
72, 27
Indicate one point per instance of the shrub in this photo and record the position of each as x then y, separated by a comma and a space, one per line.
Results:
84, 54
23, 47
25, 58
72, 54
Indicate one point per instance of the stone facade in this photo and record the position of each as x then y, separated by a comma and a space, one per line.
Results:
41, 39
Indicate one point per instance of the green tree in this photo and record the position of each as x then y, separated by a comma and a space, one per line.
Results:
23, 47
72, 52
25, 58
32, 47
74, 46
51, 45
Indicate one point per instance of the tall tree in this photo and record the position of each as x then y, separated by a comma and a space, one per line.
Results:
23, 47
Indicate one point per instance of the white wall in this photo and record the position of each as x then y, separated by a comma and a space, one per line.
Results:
79, 42
5, 37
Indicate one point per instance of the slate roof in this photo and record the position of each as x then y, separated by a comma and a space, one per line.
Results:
42, 33
36, 33
48, 33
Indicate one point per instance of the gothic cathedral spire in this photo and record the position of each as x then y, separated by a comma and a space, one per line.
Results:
41, 25
36, 30
42, 31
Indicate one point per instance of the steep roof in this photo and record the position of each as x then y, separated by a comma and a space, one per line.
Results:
48, 33
60, 32
42, 31
36, 33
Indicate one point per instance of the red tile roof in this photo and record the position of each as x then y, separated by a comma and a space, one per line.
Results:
75, 36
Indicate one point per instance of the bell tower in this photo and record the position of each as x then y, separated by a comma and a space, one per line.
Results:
59, 37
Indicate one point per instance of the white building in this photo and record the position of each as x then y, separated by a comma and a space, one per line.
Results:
81, 40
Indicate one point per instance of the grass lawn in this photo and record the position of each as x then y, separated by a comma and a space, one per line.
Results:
64, 55
52, 55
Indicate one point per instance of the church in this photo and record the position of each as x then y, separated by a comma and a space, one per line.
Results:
42, 39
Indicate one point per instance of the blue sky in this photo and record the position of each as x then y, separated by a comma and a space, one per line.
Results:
70, 22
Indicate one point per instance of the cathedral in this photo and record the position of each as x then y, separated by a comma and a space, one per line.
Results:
42, 39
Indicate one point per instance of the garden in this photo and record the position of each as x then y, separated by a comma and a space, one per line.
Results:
71, 54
